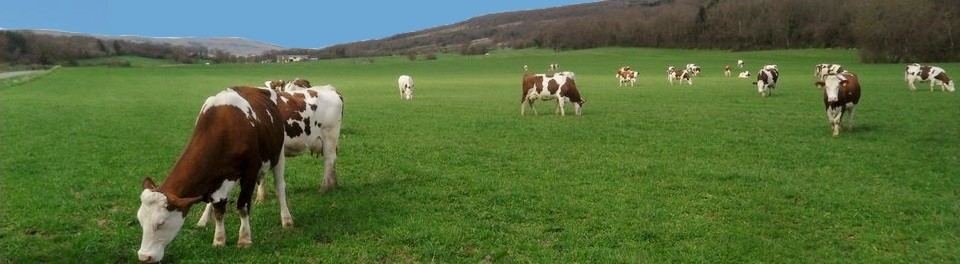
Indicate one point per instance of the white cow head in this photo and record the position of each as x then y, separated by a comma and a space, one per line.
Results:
161, 217
831, 85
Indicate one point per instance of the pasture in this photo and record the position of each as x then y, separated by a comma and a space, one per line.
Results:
708, 173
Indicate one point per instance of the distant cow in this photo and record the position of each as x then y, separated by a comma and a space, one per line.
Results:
841, 93
824, 69
740, 63
626, 75
726, 70
680, 75
934, 75
550, 87
276, 85
296, 85
568, 74
767, 80
405, 83
554, 67
694, 69
744, 74
236, 140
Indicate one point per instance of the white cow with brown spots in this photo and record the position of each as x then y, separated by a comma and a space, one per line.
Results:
934, 75
550, 87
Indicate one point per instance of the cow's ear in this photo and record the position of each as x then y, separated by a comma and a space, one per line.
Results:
820, 84
148, 184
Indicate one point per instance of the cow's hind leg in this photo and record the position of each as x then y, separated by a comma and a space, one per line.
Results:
261, 192
850, 114
331, 144
285, 219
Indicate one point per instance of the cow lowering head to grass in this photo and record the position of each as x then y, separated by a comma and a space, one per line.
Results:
693, 69
934, 75
841, 93
744, 74
550, 87
237, 138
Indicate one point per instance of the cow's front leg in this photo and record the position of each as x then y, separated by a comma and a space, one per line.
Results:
219, 233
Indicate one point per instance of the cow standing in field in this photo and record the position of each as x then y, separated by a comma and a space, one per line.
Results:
312, 120
744, 74
679, 75
825, 69
550, 87
405, 83
727, 71
740, 64
236, 140
841, 93
767, 79
934, 75
626, 75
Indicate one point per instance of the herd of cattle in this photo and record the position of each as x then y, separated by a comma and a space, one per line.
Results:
286, 119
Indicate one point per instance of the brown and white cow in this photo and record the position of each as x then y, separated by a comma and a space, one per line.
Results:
824, 69
727, 71
550, 87
767, 79
296, 85
744, 74
237, 138
679, 75
626, 75
934, 75
276, 85
841, 93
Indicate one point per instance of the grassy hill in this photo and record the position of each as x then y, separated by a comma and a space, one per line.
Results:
654, 173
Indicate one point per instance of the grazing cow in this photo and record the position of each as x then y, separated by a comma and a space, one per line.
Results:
406, 87
694, 69
236, 140
767, 80
740, 63
276, 85
744, 74
825, 69
726, 70
550, 87
841, 93
626, 75
679, 75
934, 75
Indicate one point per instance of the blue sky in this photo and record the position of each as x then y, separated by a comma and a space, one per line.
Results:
291, 24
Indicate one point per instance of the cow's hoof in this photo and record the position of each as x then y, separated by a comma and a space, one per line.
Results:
218, 244
287, 222
244, 244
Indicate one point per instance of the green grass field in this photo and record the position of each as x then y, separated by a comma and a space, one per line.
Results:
708, 173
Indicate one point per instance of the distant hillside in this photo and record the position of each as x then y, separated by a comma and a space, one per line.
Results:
883, 30
234, 46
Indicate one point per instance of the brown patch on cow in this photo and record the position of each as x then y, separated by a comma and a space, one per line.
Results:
943, 77
569, 90
530, 81
553, 86
925, 73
